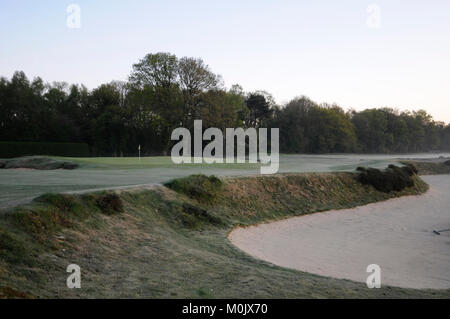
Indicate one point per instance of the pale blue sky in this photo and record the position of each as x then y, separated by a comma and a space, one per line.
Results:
322, 49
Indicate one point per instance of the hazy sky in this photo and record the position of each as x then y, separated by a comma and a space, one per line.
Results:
331, 51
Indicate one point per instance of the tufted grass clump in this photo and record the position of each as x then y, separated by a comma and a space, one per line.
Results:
109, 204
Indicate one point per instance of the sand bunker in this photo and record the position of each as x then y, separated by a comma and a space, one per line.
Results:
396, 234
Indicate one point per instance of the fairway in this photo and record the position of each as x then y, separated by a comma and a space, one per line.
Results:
20, 186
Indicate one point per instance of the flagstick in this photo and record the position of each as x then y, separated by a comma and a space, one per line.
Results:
139, 148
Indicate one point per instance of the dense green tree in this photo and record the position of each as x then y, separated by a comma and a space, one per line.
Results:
371, 127
195, 78
221, 109
261, 106
293, 125
164, 92
306, 127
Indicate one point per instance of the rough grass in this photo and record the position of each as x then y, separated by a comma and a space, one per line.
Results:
199, 187
36, 162
195, 217
167, 244
10, 293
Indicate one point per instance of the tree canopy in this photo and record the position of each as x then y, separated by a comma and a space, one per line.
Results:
164, 92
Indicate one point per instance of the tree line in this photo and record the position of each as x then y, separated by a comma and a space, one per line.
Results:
164, 92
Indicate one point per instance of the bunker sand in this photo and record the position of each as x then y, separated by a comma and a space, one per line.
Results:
396, 234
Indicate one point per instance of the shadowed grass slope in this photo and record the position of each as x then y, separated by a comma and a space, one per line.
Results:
159, 243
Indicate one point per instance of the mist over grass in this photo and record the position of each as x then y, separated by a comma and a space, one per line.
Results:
20, 186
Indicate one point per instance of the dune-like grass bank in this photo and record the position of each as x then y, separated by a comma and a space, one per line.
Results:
396, 234
171, 242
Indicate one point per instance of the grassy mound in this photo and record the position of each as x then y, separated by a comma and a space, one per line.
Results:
36, 162
265, 198
393, 178
162, 243
53, 212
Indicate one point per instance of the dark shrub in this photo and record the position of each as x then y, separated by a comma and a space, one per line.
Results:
447, 163
393, 178
199, 187
410, 168
109, 204
69, 165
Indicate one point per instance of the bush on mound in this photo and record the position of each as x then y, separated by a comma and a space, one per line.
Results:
393, 178
36, 162
199, 187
